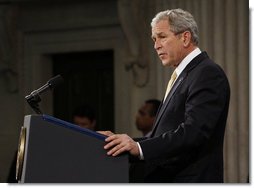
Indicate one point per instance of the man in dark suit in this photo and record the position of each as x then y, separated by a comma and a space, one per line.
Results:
186, 144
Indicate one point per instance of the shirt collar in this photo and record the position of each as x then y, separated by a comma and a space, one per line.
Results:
187, 60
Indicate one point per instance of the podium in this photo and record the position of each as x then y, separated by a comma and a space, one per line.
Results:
55, 151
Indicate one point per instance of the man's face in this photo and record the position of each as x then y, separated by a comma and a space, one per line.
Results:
169, 46
144, 121
84, 122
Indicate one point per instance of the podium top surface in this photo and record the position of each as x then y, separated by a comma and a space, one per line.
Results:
73, 127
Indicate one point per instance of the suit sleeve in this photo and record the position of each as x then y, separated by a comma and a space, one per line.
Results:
206, 103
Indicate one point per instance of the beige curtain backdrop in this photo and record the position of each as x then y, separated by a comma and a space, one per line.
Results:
223, 27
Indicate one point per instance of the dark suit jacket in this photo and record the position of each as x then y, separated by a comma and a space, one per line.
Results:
186, 144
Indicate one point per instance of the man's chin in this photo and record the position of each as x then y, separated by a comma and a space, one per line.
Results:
165, 63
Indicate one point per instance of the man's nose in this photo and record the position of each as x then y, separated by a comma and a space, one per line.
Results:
157, 45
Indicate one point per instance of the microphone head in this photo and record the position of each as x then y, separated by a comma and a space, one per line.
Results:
53, 82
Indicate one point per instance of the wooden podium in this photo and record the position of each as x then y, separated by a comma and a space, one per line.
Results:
55, 151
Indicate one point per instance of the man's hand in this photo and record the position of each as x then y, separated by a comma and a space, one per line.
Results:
107, 133
119, 143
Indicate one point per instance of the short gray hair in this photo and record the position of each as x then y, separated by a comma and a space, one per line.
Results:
179, 21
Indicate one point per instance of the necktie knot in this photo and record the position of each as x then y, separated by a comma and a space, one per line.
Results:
170, 83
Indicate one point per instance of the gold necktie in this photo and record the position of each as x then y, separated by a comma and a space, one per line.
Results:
170, 84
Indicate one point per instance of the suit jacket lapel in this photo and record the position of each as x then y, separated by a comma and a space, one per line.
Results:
178, 82
170, 94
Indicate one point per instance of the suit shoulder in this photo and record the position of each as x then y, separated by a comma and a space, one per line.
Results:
210, 66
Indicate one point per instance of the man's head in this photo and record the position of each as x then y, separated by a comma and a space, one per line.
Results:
84, 116
146, 115
175, 35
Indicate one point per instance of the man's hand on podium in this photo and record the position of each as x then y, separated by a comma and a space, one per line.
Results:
119, 143
107, 133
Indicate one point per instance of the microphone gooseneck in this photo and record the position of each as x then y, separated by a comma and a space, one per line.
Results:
34, 98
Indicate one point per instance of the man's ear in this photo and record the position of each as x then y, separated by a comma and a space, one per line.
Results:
186, 37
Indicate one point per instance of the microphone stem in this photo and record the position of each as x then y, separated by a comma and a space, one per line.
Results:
41, 90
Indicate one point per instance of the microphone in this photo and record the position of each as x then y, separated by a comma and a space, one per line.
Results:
52, 83
33, 99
